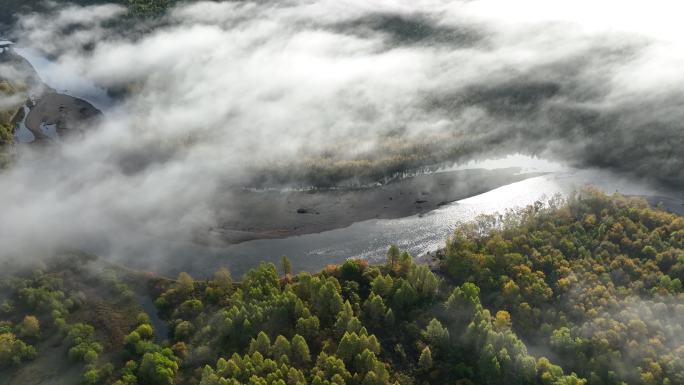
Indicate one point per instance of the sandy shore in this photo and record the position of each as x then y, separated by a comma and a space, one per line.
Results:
248, 215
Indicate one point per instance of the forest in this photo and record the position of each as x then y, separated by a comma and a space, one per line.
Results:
586, 290
11, 8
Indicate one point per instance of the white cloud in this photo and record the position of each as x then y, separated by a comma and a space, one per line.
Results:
222, 89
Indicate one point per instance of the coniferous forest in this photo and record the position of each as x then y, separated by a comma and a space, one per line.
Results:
586, 290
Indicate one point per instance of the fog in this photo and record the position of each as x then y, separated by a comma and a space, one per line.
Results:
214, 94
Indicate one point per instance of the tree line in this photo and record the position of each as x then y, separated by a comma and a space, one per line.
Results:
582, 291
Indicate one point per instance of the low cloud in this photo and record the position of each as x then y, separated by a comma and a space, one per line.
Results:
218, 92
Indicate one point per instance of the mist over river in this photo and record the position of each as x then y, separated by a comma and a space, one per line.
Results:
369, 239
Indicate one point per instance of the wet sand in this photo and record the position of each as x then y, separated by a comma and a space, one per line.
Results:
249, 215
68, 114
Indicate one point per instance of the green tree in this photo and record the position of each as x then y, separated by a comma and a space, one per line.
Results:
261, 344
328, 302
424, 281
189, 309
404, 298
353, 344
183, 330
405, 262
392, 256
330, 370
13, 351
300, 351
436, 334
375, 310
158, 368
425, 359
281, 347
308, 327
382, 285
286, 265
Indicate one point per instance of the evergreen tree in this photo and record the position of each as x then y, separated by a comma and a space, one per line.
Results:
392, 256
425, 360
261, 344
281, 347
436, 334
300, 351
286, 265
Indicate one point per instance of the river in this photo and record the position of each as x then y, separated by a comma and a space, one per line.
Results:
418, 234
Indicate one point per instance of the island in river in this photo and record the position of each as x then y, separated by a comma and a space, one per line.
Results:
248, 214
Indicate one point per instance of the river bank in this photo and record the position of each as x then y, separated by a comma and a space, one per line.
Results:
248, 215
